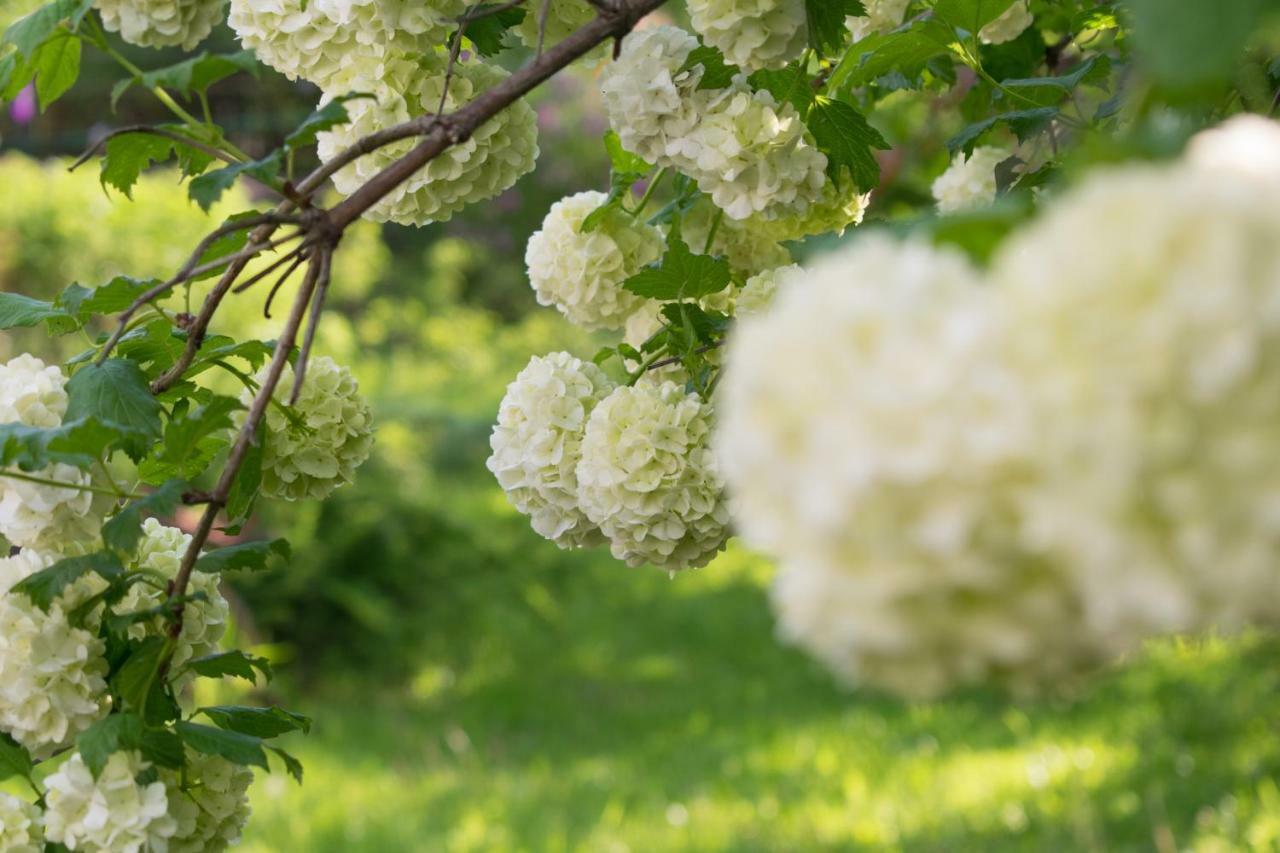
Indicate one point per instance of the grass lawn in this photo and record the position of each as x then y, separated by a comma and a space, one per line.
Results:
596, 708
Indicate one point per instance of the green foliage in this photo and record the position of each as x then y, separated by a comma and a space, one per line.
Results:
120, 732
234, 663
14, 759
490, 23
44, 587
232, 745
244, 557
116, 394
827, 33
680, 274
843, 134
123, 530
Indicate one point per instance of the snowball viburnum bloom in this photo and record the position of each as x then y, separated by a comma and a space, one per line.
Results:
489, 162
563, 17
315, 445
648, 95
1011, 24
38, 515
751, 154
1246, 144
834, 211
52, 675
970, 181
211, 812
537, 444
759, 291
650, 480
875, 443
881, 16
1147, 309
743, 244
161, 23
110, 814
203, 622
332, 43
752, 34
581, 273
21, 827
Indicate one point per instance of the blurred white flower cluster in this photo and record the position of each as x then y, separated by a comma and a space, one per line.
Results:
1020, 478
161, 23
752, 155
581, 272
881, 16
1009, 25
970, 181
314, 445
21, 826
752, 34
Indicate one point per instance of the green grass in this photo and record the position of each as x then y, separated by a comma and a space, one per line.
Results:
567, 703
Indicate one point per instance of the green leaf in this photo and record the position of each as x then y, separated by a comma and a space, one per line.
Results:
17, 310
716, 73
235, 747
790, 85
116, 393
185, 437
291, 764
706, 327
488, 31
44, 587
111, 298
235, 663
57, 67
14, 759
970, 16
122, 731
621, 160
681, 274
140, 684
29, 33
1024, 123
327, 117
128, 155
123, 531
906, 52
1187, 44
15, 73
259, 722
843, 134
248, 480
209, 187
826, 18
1053, 90
77, 443
200, 72
246, 557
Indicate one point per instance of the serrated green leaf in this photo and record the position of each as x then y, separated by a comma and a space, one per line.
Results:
621, 160
790, 85
123, 731
17, 311
57, 67
76, 442
1048, 91
248, 481
209, 187
127, 155
681, 274
14, 759
1024, 123
29, 33
259, 722
970, 16
200, 72
140, 684
292, 765
235, 747
487, 32
907, 52
327, 117
236, 664
185, 436
111, 298
44, 587
244, 557
716, 73
116, 393
843, 134
826, 19
123, 530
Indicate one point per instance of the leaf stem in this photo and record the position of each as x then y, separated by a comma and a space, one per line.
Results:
46, 481
648, 193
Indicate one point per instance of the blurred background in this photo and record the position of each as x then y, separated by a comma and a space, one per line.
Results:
474, 688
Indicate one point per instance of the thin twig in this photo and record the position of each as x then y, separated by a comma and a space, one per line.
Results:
292, 255
275, 288
153, 131
317, 306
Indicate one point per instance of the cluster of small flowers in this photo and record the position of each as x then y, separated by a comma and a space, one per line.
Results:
161, 23
881, 17
750, 154
592, 462
315, 444
970, 181
1018, 479
752, 34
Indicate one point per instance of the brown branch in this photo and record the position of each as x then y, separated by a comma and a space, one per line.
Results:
317, 306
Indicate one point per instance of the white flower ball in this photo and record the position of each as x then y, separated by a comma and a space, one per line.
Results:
581, 274
335, 42
1009, 25
110, 814
537, 444
835, 211
759, 291
882, 16
32, 392
563, 18
650, 480
315, 445
161, 23
1146, 305
203, 622
1247, 145
743, 244
647, 97
52, 676
970, 181
212, 810
750, 154
479, 168
21, 826
875, 443
752, 34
